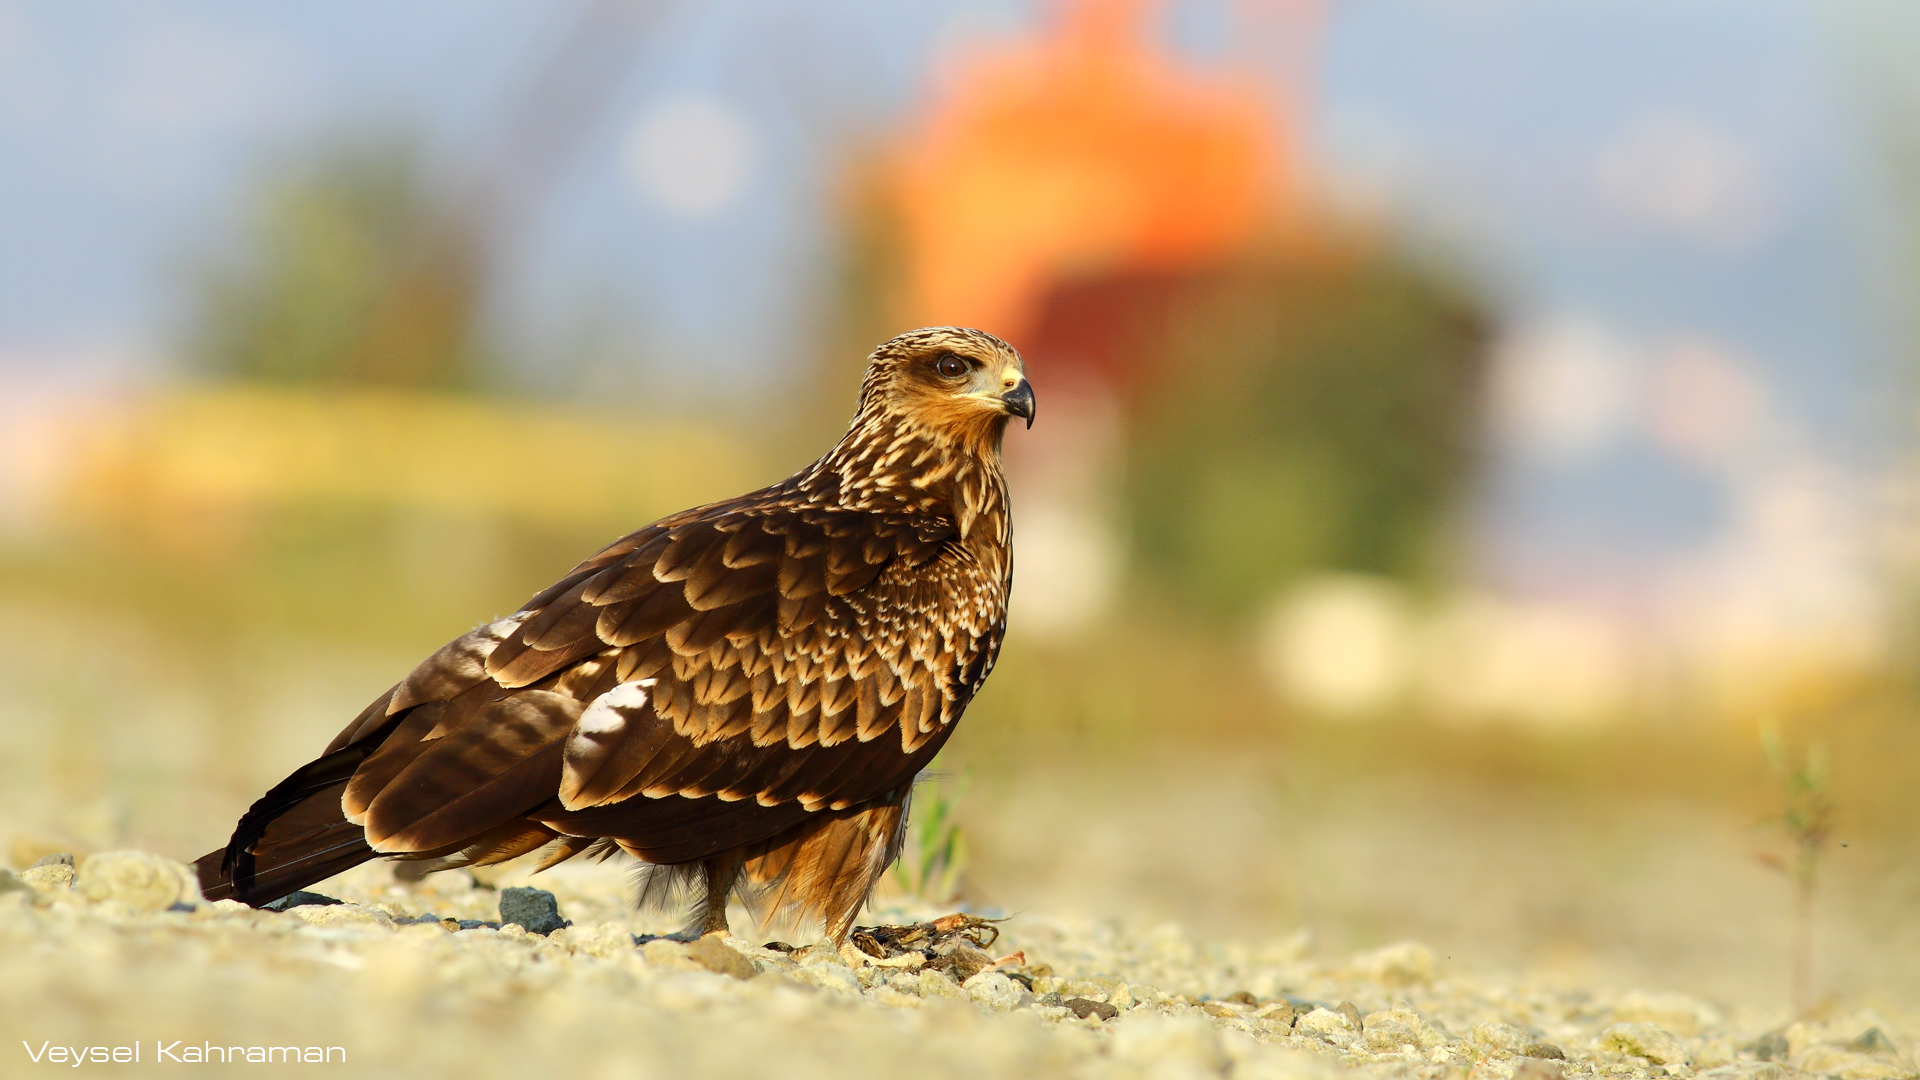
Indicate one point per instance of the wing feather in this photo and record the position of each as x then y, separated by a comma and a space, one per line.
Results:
701, 681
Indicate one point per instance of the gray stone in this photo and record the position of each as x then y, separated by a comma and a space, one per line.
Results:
1650, 1041
1545, 1050
299, 898
533, 910
1872, 1041
1769, 1046
1085, 1007
64, 858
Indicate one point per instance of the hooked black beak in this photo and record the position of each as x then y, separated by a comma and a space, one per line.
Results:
1019, 400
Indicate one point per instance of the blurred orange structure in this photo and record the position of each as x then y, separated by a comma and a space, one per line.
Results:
1088, 152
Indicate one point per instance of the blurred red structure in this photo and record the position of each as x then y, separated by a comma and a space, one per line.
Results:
1064, 186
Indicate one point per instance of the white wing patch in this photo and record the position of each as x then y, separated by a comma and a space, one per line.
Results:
595, 738
607, 713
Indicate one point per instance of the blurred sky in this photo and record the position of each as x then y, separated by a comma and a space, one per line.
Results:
1672, 203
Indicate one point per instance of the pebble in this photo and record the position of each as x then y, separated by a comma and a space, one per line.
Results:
933, 984
1334, 1027
1398, 1031
1280, 1013
1873, 1041
1084, 1007
837, 978
669, 954
994, 991
342, 915
605, 939
715, 955
1650, 1041
534, 910
141, 881
1501, 1039
1770, 1046
299, 898
50, 877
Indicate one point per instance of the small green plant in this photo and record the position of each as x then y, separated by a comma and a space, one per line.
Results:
1807, 817
936, 850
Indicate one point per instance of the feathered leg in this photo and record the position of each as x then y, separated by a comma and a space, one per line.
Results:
826, 868
722, 873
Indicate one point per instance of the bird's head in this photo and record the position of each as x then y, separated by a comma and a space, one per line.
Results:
947, 381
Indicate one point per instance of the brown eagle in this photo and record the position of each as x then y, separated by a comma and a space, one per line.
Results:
740, 694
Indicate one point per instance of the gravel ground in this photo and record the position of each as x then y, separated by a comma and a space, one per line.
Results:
424, 980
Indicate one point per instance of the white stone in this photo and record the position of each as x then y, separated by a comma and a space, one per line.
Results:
1500, 1039
342, 915
836, 978
1397, 1031
1326, 1024
935, 984
53, 877
994, 991
137, 879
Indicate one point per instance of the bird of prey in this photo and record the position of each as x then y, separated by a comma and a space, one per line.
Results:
740, 694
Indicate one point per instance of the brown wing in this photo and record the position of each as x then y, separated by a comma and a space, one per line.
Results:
705, 682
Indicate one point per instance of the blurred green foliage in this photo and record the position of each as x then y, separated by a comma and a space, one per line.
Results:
1316, 415
350, 269
935, 854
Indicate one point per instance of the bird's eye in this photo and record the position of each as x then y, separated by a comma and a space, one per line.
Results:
950, 366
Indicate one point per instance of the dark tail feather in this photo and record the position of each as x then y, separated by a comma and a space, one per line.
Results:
294, 836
